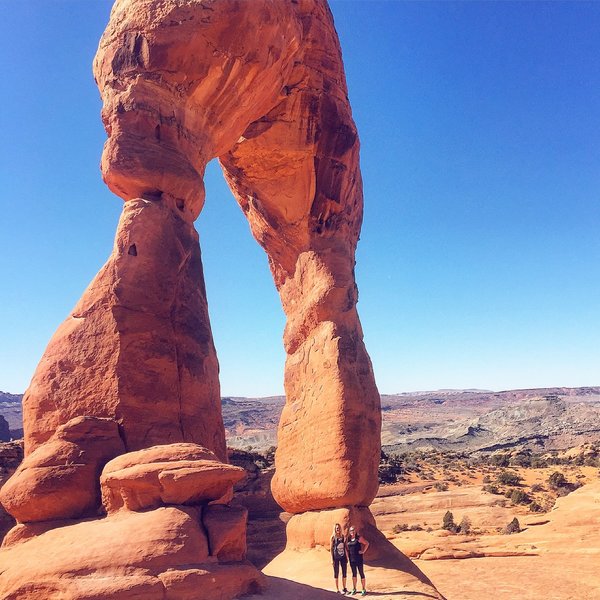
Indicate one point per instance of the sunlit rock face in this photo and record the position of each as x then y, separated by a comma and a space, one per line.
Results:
261, 86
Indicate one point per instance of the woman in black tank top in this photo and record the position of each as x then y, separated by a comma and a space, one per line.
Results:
339, 557
356, 546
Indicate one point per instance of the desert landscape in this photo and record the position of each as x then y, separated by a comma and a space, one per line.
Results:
526, 470
134, 467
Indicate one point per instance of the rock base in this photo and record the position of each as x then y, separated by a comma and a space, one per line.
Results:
159, 554
306, 558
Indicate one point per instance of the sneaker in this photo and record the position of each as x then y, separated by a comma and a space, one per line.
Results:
345, 591
353, 592
363, 593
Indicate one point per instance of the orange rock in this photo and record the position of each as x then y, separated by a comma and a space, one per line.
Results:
89, 555
226, 528
138, 346
59, 480
160, 554
177, 94
170, 474
217, 582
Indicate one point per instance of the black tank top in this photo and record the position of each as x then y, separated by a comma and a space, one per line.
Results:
338, 549
353, 549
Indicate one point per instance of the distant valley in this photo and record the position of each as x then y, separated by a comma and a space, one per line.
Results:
461, 420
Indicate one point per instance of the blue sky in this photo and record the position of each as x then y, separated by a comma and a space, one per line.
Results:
479, 259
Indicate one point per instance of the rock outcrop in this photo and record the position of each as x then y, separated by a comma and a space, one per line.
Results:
70, 461
261, 86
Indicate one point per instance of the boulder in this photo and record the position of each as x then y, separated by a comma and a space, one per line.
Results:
159, 554
59, 480
169, 474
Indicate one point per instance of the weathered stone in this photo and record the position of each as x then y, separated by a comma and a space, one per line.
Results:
59, 480
108, 554
261, 86
138, 346
281, 124
171, 474
226, 529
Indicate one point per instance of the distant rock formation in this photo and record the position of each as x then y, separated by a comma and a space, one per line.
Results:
261, 86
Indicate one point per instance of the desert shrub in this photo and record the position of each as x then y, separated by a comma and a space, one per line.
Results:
391, 468
448, 522
491, 489
537, 487
465, 525
536, 508
441, 486
415, 528
591, 461
486, 479
557, 480
270, 455
508, 478
521, 459
519, 497
537, 462
500, 460
513, 527
400, 527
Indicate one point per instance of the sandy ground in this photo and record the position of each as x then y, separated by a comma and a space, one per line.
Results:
556, 557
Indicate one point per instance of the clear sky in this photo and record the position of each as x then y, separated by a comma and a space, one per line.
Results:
479, 259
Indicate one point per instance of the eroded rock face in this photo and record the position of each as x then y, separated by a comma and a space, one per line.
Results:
138, 347
186, 83
183, 82
162, 475
59, 480
157, 554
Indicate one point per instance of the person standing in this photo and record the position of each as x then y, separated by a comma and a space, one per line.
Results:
356, 547
339, 557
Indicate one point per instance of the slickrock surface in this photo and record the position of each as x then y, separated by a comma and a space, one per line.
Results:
151, 555
558, 559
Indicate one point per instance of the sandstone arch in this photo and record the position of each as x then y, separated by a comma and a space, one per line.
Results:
261, 86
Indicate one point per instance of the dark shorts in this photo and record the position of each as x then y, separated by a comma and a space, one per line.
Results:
358, 566
336, 568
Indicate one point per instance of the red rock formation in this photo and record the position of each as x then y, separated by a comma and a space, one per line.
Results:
173, 474
72, 460
157, 554
274, 108
137, 348
261, 86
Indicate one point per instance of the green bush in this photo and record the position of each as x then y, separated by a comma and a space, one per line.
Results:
500, 460
448, 522
465, 525
557, 480
519, 497
513, 527
508, 478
